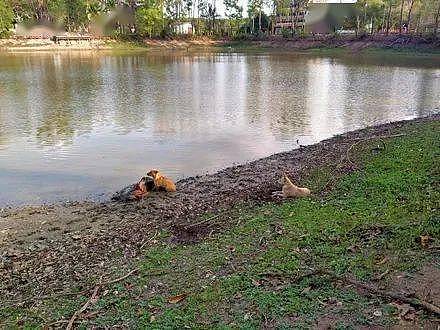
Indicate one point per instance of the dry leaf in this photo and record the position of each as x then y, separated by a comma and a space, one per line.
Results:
152, 318
352, 248
306, 290
279, 230
382, 275
405, 311
256, 282
377, 313
178, 298
425, 240
384, 260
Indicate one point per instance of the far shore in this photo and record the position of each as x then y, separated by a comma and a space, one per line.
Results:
347, 43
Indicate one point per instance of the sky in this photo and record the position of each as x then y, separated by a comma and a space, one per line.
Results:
244, 3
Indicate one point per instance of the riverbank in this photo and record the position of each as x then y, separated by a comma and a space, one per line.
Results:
233, 251
349, 43
46, 44
346, 43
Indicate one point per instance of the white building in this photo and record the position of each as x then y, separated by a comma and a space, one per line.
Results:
184, 28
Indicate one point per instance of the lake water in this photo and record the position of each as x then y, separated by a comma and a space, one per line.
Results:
79, 125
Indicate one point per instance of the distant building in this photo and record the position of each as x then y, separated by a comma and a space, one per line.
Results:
184, 28
294, 22
323, 18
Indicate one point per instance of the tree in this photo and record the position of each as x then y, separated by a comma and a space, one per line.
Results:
232, 9
6, 18
411, 6
390, 4
437, 20
149, 19
76, 12
254, 9
57, 11
234, 13
402, 3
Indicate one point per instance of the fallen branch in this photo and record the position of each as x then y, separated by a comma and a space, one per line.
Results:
148, 241
91, 300
347, 156
378, 137
203, 221
359, 141
94, 297
119, 278
386, 294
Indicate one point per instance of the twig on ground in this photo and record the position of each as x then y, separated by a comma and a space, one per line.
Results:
381, 276
416, 302
385, 294
378, 137
119, 278
149, 240
203, 221
91, 300
94, 297
347, 156
359, 140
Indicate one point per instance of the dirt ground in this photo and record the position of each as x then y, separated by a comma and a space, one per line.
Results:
37, 44
350, 43
50, 248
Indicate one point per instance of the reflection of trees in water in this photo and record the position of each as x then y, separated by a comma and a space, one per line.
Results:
49, 96
425, 98
285, 100
13, 96
3, 133
60, 95
194, 94
67, 87
56, 127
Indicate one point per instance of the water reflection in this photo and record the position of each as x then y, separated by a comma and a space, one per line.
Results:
82, 123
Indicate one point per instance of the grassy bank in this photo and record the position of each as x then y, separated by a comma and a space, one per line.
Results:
363, 221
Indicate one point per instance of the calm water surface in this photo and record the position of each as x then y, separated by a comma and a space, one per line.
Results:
81, 125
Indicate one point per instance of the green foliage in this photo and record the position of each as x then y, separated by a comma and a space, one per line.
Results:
57, 9
76, 14
6, 18
157, 18
149, 20
233, 10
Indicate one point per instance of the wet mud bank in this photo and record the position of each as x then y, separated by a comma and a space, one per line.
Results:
50, 249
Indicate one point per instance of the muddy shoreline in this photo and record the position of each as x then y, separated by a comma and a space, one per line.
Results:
349, 43
53, 248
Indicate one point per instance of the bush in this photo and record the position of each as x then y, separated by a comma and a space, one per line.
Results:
286, 33
6, 19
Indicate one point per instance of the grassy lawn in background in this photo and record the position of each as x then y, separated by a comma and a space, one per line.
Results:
253, 274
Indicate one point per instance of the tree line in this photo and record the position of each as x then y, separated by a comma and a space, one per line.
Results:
159, 18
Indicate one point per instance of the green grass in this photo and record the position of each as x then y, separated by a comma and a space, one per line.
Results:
245, 277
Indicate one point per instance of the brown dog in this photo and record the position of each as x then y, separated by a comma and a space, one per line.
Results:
291, 190
162, 182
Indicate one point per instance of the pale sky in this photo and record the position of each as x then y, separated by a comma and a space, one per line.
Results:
221, 7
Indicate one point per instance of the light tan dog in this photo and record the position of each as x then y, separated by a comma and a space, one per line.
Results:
291, 190
162, 182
